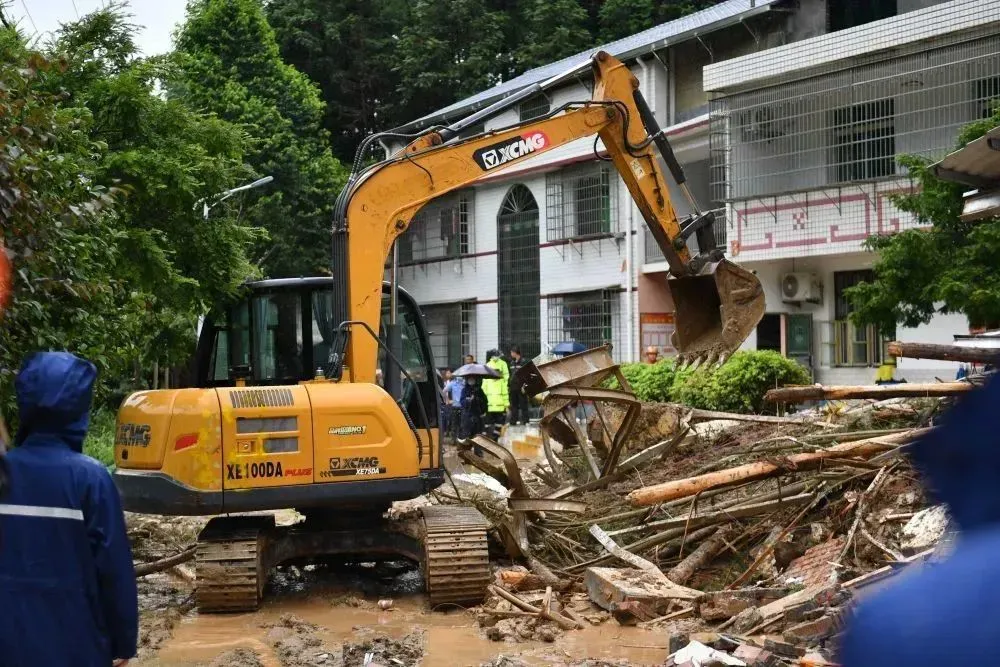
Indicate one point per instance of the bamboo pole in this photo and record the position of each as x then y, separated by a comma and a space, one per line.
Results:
165, 563
683, 488
902, 390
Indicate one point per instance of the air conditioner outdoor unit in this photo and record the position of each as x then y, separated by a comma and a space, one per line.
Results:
799, 287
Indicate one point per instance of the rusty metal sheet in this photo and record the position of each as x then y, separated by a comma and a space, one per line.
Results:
546, 505
584, 369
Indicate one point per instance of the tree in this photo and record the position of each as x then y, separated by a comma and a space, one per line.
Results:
619, 18
558, 28
949, 268
113, 261
229, 64
451, 50
349, 48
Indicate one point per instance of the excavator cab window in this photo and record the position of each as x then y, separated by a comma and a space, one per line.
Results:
416, 359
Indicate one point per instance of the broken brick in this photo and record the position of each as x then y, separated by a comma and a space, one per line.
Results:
784, 648
815, 566
812, 631
723, 605
755, 656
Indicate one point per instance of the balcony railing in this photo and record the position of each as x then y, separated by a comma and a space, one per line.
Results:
856, 346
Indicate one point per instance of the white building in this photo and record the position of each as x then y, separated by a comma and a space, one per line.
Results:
788, 117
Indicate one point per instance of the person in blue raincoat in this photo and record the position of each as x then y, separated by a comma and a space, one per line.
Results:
67, 585
945, 613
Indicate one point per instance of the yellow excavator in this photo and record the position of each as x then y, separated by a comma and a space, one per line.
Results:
287, 411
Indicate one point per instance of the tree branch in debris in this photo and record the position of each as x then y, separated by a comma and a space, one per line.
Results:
683, 488
821, 393
699, 558
944, 352
165, 563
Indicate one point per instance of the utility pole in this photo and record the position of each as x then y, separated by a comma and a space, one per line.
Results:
209, 202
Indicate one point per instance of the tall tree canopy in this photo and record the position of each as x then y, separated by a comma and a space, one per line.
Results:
384, 63
229, 64
98, 182
950, 267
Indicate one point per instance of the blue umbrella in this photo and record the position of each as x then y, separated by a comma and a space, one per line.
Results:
568, 347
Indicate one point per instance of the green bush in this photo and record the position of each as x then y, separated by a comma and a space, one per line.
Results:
100, 442
740, 384
650, 382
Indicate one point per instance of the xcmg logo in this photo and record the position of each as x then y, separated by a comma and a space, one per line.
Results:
501, 153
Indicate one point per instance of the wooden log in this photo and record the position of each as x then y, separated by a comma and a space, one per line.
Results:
682, 488
820, 393
711, 518
944, 352
704, 415
699, 558
165, 563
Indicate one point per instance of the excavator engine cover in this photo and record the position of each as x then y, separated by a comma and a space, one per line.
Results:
714, 311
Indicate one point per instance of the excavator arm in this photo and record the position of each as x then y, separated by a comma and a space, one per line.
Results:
717, 304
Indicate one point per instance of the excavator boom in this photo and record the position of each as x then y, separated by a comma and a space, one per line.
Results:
717, 303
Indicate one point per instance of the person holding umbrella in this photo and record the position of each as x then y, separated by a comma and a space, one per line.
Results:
473, 402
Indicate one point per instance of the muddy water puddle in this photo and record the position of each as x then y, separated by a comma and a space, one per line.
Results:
351, 615
452, 638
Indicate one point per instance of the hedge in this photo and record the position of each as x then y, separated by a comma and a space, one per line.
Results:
737, 386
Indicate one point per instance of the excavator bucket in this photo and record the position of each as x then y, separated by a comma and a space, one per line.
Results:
714, 312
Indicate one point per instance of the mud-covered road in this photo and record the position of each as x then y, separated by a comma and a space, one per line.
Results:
330, 616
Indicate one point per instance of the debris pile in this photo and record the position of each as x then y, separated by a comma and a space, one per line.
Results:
746, 536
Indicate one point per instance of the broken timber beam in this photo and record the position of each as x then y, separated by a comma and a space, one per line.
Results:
944, 352
683, 488
821, 393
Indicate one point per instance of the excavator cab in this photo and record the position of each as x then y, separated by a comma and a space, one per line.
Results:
280, 332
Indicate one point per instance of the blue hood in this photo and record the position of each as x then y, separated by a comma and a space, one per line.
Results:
960, 460
54, 394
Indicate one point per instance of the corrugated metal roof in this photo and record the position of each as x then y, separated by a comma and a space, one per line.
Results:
713, 18
978, 164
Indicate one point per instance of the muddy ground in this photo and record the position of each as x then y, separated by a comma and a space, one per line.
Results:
329, 616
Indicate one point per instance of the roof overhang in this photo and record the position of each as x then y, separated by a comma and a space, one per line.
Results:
977, 165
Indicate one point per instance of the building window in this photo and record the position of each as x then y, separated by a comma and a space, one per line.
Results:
843, 14
581, 201
533, 108
589, 318
853, 345
451, 329
442, 229
864, 141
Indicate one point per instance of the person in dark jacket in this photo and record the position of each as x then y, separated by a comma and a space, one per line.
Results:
473, 409
518, 398
67, 585
945, 613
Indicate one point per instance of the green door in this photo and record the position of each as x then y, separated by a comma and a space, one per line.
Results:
799, 337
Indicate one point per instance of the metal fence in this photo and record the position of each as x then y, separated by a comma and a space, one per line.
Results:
581, 201
452, 332
850, 125
589, 318
441, 229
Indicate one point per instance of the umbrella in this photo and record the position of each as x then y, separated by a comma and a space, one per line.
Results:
568, 347
475, 370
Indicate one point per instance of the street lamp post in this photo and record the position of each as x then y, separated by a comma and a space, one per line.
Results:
208, 202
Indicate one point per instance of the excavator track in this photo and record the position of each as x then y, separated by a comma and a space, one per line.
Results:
230, 565
456, 555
